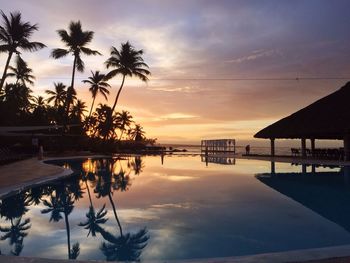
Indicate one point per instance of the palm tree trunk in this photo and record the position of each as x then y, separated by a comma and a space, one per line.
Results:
69, 91
5, 70
68, 233
87, 187
92, 105
115, 213
121, 135
119, 91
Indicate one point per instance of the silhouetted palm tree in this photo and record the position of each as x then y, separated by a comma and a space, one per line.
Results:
137, 133
17, 97
38, 102
98, 85
58, 96
21, 72
76, 41
124, 119
128, 62
14, 35
78, 110
107, 122
125, 247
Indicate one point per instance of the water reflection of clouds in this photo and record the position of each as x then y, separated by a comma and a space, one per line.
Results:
190, 211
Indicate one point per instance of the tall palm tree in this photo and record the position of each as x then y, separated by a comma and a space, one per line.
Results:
75, 41
21, 72
124, 119
58, 96
14, 35
98, 85
128, 62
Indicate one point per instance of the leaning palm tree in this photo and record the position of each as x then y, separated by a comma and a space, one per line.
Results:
128, 62
125, 119
14, 35
21, 72
98, 85
75, 41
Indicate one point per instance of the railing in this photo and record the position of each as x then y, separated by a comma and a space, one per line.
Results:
321, 153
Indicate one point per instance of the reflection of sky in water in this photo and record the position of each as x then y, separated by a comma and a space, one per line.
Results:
190, 211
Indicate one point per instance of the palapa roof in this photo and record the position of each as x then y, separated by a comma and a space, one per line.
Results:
327, 118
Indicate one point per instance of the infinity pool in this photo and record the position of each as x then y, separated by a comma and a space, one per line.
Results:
177, 207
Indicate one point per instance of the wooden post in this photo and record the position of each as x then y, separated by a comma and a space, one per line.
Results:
272, 146
273, 168
312, 146
303, 148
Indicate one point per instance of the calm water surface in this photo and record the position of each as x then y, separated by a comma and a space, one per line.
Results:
138, 208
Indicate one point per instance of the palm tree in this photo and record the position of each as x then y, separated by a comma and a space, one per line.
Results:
127, 62
21, 72
137, 133
98, 85
75, 41
14, 35
38, 102
58, 96
125, 119
78, 110
17, 97
107, 122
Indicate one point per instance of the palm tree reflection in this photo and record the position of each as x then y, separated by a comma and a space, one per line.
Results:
13, 208
122, 247
126, 247
62, 202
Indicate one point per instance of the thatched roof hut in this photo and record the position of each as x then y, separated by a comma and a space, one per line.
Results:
327, 118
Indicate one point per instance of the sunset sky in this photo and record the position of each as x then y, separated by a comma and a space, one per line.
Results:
192, 48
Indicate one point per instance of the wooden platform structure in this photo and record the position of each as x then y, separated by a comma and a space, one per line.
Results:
325, 119
218, 146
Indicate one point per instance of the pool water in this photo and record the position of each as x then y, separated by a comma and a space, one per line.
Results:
177, 207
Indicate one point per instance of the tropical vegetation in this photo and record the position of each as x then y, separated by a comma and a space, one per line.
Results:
74, 121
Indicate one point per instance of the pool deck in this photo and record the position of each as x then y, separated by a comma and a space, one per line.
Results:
22, 174
19, 175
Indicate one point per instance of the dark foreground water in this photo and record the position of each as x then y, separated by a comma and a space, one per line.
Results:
138, 208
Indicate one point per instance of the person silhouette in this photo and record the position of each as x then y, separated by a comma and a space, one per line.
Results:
247, 149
